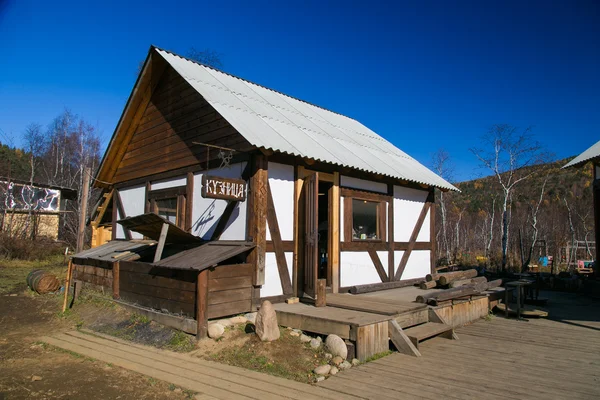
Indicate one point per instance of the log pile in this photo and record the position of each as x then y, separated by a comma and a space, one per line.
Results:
458, 284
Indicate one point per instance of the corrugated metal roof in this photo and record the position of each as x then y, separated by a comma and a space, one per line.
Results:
272, 120
206, 256
116, 248
584, 157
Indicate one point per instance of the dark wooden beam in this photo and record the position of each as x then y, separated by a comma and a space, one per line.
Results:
378, 266
189, 201
115, 283
202, 305
122, 214
432, 232
257, 216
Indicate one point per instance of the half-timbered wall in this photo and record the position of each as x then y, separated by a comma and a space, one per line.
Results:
207, 212
133, 199
408, 204
281, 184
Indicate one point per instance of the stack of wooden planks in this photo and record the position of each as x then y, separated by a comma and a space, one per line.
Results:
457, 285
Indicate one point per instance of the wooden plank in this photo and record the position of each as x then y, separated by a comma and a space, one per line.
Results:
230, 271
182, 296
189, 201
114, 217
284, 274
161, 242
363, 245
229, 283
400, 340
298, 228
370, 305
403, 246
413, 239
202, 305
413, 318
287, 246
378, 266
311, 222
372, 340
313, 324
230, 308
391, 244
186, 325
257, 216
158, 281
228, 296
334, 233
363, 195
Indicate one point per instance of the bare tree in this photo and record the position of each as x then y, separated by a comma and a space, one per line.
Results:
509, 154
442, 165
534, 211
34, 142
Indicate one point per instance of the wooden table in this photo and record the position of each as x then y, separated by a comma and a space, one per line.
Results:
519, 285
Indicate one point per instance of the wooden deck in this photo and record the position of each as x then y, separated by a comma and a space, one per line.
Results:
212, 380
555, 358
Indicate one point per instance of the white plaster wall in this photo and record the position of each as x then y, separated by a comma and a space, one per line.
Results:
418, 264
281, 180
408, 203
361, 184
168, 183
272, 286
206, 212
356, 268
133, 199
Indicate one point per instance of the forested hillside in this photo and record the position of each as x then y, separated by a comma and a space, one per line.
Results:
557, 202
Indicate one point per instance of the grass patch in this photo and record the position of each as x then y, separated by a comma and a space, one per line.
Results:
378, 356
13, 272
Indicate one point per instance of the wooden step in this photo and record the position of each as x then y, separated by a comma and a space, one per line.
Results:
412, 318
427, 330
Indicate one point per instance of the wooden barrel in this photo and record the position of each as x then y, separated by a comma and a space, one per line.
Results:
42, 282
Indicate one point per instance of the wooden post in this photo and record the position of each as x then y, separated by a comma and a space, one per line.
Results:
596, 200
321, 299
115, 285
161, 242
202, 305
257, 217
334, 233
189, 201
432, 235
67, 285
83, 209
115, 215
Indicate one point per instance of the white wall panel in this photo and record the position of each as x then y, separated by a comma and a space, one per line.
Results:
133, 200
418, 264
206, 212
362, 184
272, 286
168, 183
408, 203
281, 180
356, 268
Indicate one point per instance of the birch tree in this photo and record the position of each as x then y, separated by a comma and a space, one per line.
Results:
443, 166
509, 154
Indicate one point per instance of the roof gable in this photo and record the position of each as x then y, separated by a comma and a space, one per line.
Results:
589, 154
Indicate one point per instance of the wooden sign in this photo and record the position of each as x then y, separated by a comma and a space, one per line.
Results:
215, 187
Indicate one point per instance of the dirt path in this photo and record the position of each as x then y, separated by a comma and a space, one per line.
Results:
30, 370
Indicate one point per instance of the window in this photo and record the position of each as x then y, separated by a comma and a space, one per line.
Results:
365, 220
167, 208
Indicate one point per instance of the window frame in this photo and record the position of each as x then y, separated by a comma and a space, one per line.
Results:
382, 201
178, 192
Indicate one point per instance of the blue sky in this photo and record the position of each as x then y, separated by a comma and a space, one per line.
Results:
423, 74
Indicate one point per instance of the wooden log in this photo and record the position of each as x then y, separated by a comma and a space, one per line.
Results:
428, 285
374, 287
432, 277
115, 282
461, 291
67, 285
448, 277
463, 282
321, 300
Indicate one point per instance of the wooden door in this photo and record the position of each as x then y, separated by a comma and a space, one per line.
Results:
311, 231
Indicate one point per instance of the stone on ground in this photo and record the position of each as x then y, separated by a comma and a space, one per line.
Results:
292, 333
315, 344
224, 322
345, 365
238, 320
337, 360
304, 338
336, 346
251, 317
322, 369
267, 329
215, 331
355, 362
333, 371
320, 379
328, 356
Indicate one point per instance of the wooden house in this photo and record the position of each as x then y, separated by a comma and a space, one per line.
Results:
305, 192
